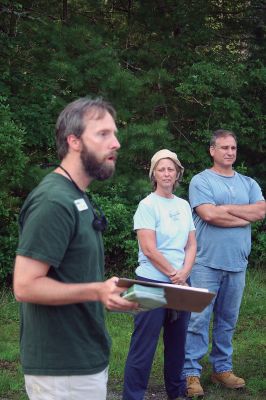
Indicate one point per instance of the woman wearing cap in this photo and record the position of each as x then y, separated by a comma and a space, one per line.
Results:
167, 248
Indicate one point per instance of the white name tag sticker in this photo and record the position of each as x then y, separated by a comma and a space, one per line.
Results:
81, 204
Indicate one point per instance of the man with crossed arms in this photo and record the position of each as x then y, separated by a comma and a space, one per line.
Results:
224, 203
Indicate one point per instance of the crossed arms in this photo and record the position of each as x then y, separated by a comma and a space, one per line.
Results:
232, 215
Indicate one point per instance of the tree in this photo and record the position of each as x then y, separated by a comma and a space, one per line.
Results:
11, 178
174, 70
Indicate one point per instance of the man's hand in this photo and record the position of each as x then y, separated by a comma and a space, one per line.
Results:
219, 216
250, 212
110, 296
32, 285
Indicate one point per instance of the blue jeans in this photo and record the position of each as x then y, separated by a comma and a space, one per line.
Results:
143, 344
229, 287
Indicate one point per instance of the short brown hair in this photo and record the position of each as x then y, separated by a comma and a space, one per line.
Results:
221, 133
71, 120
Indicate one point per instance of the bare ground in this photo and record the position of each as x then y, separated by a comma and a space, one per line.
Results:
155, 393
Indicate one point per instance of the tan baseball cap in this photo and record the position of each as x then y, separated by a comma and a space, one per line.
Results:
165, 154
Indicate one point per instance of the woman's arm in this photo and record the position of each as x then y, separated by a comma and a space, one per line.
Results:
147, 242
181, 275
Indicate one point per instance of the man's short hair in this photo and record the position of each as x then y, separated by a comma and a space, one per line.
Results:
71, 120
221, 133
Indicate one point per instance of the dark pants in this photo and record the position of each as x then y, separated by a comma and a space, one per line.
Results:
143, 344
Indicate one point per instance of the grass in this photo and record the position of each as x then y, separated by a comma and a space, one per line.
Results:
11, 378
249, 348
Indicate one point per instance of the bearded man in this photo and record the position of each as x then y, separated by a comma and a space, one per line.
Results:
59, 266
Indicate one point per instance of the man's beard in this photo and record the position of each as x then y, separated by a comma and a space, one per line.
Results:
94, 168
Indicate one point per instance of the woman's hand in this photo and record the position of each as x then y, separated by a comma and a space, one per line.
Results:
179, 277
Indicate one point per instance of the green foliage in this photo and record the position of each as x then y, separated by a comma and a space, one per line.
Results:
258, 251
8, 243
12, 138
217, 93
175, 71
119, 239
12, 168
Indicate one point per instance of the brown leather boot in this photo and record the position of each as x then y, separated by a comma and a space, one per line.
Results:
194, 388
228, 379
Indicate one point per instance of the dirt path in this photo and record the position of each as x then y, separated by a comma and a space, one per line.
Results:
157, 393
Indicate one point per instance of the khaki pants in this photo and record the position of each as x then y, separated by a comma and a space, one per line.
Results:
74, 387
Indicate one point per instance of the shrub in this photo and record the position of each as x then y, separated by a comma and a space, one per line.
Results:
257, 256
11, 182
121, 249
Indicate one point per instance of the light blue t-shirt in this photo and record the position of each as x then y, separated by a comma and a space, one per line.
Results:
218, 247
172, 221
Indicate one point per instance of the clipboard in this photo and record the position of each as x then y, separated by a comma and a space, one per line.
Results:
181, 298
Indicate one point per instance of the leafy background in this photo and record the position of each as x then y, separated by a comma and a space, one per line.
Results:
175, 70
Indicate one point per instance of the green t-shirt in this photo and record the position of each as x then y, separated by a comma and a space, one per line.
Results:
56, 227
